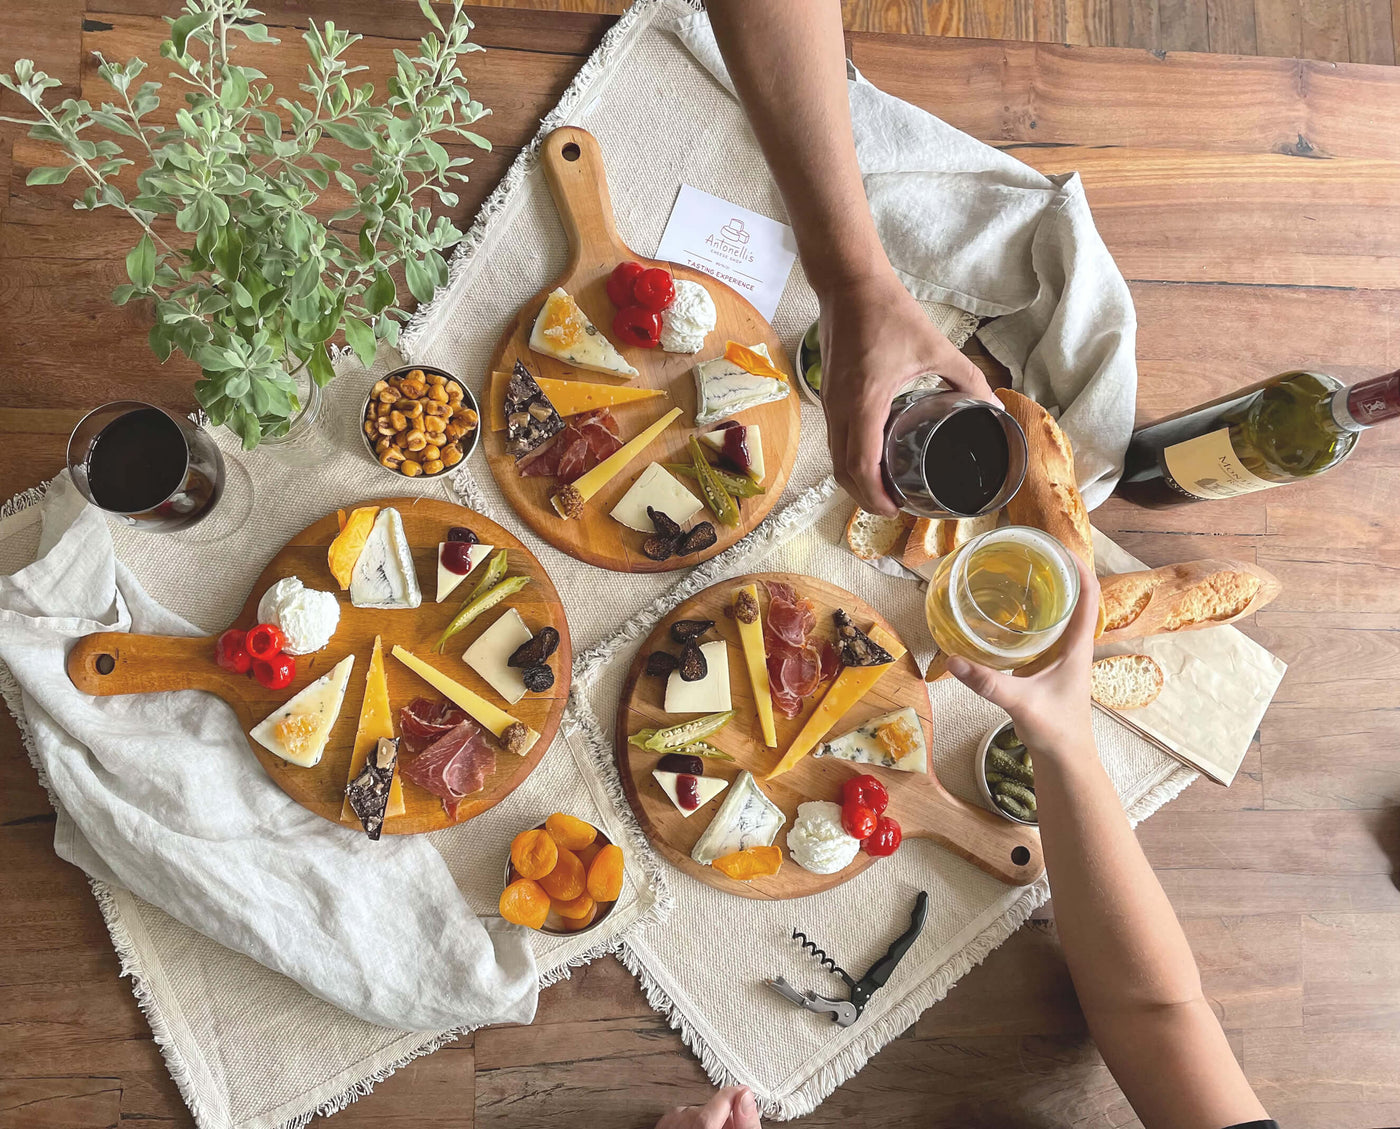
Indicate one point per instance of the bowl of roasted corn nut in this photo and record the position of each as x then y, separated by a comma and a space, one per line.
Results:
420, 422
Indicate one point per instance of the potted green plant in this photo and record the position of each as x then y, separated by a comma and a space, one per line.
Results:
242, 277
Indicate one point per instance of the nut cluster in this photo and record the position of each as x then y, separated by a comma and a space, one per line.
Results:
417, 422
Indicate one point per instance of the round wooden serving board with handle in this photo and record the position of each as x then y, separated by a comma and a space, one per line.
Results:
573, 166
923, 807
120, 663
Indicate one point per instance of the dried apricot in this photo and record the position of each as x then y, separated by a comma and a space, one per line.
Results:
574, 908
754, 862
574, 924
566, 881
524, 903
605, 874
533, 854
569, 831
589, 853
345, 549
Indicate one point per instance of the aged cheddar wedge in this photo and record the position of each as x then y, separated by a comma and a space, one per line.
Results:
569, 501
569, 397
376, 721
492, 717
851, 685
750, 620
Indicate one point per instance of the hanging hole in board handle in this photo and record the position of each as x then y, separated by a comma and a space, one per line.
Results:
104, 664
571, 151
1020, 855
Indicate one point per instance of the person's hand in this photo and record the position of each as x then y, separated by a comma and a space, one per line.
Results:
875, 339
731, 1108
1051, 706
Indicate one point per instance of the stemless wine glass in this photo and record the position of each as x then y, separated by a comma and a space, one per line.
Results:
1003, 598
145, 466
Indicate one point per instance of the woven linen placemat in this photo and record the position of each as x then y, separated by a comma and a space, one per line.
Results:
703, 967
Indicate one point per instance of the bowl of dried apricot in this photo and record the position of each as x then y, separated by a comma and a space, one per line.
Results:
420, 422
564, 876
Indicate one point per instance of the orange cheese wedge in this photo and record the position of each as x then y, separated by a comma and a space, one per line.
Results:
750, 360
569, 397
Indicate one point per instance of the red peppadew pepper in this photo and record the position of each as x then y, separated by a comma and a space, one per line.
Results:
886, 839
859, 820
231, 653
620, 283
264, 641
275, 673
654, 289
636, 325
867, 790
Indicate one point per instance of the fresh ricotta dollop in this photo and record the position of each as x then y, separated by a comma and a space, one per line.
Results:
307, 616
689, 319
817, 841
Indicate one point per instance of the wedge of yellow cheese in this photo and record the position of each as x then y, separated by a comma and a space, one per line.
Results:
569, 397
756, 658
376, 721
850, 686
492, 717
594, 480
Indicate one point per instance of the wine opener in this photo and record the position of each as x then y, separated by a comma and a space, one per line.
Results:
845, 1012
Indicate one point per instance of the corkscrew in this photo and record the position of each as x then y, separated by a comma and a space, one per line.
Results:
846, 1012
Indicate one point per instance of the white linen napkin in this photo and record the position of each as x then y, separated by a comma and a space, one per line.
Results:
966, 224
159, 793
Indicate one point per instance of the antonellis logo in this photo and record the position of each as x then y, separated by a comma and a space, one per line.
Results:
731, 242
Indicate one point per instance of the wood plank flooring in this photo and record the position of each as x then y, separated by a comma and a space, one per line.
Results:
1251, 204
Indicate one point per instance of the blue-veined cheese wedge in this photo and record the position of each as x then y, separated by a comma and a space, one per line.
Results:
723, 388
383, 576
563, 331
892, 740
297, 731
747, 818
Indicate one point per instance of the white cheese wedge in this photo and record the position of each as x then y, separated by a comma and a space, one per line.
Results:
747, 818
723, 388
448, 580
487, 656
659, 488
297, 732
752, 439
383, 576
892, 740
563, 331
707, 695
708, 786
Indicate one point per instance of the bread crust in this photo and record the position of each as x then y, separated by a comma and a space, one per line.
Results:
1183, 597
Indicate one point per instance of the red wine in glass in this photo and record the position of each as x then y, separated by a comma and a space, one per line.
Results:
146, 466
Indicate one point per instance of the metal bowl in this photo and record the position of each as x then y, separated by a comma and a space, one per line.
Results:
468, 443
551, 924
979, 771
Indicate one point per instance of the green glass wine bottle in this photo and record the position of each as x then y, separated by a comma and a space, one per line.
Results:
1283, 429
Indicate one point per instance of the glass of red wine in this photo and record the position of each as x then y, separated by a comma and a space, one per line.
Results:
951, 456
145, 466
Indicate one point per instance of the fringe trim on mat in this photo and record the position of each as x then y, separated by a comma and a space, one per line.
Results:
609, 47
875, 1038
770, 533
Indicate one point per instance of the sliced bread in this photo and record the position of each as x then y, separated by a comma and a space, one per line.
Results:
1126, 682
871, 536
922, 546
954, 534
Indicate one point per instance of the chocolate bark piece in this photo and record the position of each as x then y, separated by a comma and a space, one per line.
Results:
856, 647
530, 417
368, 793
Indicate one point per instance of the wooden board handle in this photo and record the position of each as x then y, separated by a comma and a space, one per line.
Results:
115, 662
1003, 849
573, 167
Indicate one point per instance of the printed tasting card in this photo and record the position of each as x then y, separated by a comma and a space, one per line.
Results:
750, 252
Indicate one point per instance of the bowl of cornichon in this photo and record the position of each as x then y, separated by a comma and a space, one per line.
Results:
1005, 775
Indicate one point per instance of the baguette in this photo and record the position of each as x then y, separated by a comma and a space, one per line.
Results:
1049, 498
1183, 597
1125, 682
922, 546
871, 536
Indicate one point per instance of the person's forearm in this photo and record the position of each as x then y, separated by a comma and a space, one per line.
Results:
1132, 967
788, 62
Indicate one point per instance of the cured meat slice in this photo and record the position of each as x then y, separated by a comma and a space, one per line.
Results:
583, 444
423, 721
797, 666
454, 766
790, 617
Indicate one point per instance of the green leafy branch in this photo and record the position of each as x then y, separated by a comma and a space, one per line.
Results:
249, 284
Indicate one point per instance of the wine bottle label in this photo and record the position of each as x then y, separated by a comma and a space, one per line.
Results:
1207, 467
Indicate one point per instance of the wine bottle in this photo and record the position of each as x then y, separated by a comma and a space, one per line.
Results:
1283, 429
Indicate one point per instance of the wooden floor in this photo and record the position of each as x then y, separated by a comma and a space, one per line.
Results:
1254, 205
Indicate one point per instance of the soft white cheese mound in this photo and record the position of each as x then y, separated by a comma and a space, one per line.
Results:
817, 841
307, 617
688, 320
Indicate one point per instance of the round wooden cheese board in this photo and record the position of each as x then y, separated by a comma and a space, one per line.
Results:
923, 807
573, 167
119, 663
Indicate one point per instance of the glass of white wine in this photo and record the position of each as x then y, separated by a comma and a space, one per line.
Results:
1002, 599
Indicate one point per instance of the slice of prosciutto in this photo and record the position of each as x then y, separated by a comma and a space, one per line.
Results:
454, 766
583, 444
423, 721
797, 666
